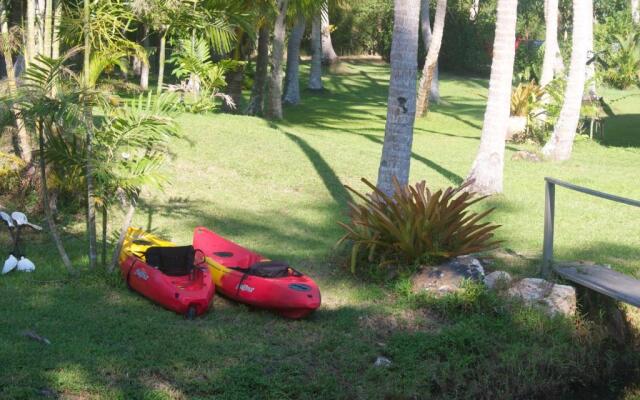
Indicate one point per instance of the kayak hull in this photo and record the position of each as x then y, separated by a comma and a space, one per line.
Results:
182, 294
293, 296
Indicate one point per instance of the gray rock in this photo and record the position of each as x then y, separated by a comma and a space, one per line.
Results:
498, 280
448, 277
552, 298
382, 362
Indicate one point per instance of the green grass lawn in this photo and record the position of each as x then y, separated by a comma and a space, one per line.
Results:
278, 188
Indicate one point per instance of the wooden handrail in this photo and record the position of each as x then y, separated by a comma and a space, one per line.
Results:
549, 214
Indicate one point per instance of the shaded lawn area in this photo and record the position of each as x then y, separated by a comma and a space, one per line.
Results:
278, 188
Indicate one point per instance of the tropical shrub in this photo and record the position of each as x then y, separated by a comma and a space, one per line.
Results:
10, 167
623, 61
415, 225
525, 98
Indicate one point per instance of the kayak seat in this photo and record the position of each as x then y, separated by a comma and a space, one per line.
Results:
172, 261
269, 269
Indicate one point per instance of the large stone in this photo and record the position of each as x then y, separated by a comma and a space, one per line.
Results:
551, 297
448, 277
498, 280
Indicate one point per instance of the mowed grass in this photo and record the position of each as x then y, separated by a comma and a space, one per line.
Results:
278, 189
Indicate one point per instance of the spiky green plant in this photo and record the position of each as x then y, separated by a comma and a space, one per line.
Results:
415, 225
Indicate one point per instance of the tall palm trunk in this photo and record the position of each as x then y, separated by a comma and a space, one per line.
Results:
30, 32
40, 21
315, 74
256, 102
488, 167
425, 29
274, 102
591, 65
635, 11
53, 230
401, 102
48, 27
91, 204
292, 76
431, 61
235, 76
551, 48
57, 19
144, 66
560, 143
161, 59
329, 56
22, 135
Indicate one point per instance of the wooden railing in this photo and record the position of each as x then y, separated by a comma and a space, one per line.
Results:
549, 214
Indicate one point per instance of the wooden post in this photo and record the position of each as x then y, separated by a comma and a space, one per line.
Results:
549, 214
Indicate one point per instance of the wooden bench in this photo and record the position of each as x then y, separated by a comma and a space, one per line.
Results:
596, 277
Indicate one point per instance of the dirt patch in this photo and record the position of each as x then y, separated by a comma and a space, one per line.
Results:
384, 325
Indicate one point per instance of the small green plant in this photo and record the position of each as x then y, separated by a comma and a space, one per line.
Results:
525, 99
415, 225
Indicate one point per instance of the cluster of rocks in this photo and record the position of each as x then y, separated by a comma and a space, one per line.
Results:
450, 277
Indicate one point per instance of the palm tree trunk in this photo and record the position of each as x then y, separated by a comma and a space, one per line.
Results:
560, 143
161, 57
30, 32
488, 167
551, 48
23, 137
57, 19
591, 65
401, 103
635, 11
262, 62
105, 223
91, 205
315, 75
425, 28
431, 61
53, 230
292, 77
40, 21
474, 10
329, 56
48, 26
123, 232
274, 103
145, 66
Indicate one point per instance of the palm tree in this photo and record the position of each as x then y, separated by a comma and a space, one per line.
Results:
560, 143
635, 11
329, 56
315, 73
550, 65
30, 32
425, 29
401, 102
591, 64
57, 19
292, 80
9, 44
256, 101
487, 171
431, 60
274, 100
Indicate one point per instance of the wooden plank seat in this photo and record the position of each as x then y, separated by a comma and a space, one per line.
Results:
602, 280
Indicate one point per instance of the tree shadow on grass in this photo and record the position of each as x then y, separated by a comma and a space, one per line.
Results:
621, 131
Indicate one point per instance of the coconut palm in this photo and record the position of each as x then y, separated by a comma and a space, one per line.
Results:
590, 60
487, 170
560, 144
329, 56
431, 60
274, 100
401, 103
292, 80
10, 43
315, 73
427, 35
552, 61
256, 101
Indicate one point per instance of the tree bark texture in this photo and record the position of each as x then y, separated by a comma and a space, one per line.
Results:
431, 60
161, 60
329, 56
425, 29
91, 204
292, 75
274, 102
401, 102
145, 66
560, 144
256, 101
488, 168
315, 73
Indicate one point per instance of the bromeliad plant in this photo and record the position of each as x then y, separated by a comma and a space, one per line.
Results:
415, 225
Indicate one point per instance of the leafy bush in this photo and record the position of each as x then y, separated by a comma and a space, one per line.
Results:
10, 167
415, 225
623, 61
525, 98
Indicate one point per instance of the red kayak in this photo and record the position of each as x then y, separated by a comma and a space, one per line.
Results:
249, 278
166, 274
